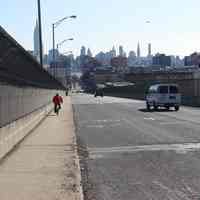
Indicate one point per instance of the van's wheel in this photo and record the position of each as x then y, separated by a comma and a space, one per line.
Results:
167, 107
148, 107
155, 106
177, 108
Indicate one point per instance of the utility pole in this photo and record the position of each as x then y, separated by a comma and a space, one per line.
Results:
53, 31
40, 33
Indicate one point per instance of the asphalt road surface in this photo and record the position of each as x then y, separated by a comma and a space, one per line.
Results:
133, 154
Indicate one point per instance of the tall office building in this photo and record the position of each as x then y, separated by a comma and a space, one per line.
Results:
89, 53
149, 49
36, 41
138, 50
162, 60
83, 51
131, 58
121, 51
113, 52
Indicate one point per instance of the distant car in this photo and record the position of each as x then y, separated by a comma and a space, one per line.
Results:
98, 92
81, 91
163, 95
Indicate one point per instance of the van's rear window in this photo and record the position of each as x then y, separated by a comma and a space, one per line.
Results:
173, 89
163, 89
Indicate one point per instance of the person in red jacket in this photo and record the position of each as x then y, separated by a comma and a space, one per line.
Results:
57, 100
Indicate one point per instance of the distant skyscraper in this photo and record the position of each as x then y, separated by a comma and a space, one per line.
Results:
83, 51
36, 41
50, 55
131, 58
149, 49
89, 53
132, 54
113, 52
121, 51
162, 60
138, 51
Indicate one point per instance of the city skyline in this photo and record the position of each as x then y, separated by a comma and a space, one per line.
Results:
169, 31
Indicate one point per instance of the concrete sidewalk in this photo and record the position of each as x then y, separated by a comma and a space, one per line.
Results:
45, 165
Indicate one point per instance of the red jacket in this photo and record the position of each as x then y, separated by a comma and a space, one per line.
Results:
57, 100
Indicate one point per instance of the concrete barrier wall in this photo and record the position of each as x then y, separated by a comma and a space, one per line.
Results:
13, 133
189, 84
21, 110
189, 89
17, 102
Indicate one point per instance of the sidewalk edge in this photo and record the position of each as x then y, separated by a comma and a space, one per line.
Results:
77, 160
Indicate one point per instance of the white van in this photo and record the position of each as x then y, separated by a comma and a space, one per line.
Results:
163, 95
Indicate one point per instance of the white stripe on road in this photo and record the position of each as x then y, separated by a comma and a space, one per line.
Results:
179, 148
172, 123
149, 118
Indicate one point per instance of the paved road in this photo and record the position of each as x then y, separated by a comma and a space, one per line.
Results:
138, 155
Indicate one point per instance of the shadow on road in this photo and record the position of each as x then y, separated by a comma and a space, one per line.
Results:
152, 110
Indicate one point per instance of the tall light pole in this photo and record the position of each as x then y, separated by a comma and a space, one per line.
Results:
67, 52
55, 25
61, 43
40, 33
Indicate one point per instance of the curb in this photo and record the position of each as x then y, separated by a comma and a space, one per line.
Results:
77, 160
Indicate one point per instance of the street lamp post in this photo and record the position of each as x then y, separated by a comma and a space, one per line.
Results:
55, 25
61, 43
67, 52
40, 33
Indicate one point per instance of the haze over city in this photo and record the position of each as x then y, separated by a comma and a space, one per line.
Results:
99, 25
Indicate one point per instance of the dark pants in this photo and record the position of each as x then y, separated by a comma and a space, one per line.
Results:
57, 107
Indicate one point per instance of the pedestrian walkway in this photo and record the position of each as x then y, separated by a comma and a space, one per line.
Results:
45, 165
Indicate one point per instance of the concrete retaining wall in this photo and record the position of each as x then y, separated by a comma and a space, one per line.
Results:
190, 92
21, 110
189, 84
17, 102
13, 133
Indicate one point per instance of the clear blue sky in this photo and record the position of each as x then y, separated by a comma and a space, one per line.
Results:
174, 27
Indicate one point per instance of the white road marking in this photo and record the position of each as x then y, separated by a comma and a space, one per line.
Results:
103, 126
172, 123
90, 99
149, 118
95, 126
100, 121
178, 148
